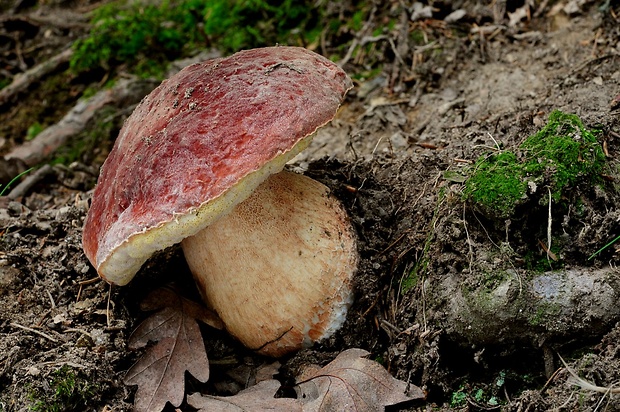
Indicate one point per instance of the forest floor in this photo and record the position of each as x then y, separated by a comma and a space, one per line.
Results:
475, 305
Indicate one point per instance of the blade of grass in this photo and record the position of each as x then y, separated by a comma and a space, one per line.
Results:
604, 247
6, 187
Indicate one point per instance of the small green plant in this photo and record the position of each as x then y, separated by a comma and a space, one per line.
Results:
69, 391
561, 155
458, 398
34, 130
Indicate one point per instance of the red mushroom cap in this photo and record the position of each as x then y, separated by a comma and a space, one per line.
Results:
199, 144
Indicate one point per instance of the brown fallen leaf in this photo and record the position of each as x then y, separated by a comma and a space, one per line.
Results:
257, 398
249, 375
353, 383
615, 103
169, 297
160, 373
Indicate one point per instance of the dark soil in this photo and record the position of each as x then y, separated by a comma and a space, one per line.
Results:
469, 307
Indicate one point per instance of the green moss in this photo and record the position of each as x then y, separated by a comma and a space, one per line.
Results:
497, 184
565, 149
490, 395
145, 35
536, 261
357, 20
69, 391
410, 281
483, 296
544, 313
493, 279
563, 154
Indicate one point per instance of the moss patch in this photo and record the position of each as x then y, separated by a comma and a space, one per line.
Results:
68, 391
145, 35
498, 184
563, 154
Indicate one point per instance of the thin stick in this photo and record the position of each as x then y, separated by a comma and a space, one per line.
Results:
45, 335
107, 309
549, 230
49, 295
84, 283
471, 249
574, 379
495, 141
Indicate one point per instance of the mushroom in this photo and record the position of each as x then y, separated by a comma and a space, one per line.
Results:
200, 162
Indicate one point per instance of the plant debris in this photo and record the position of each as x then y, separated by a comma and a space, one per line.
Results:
179, 347
352, 383
257, 398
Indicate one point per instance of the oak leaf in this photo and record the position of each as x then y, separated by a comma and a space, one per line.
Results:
160, 373
353, 383
257, 398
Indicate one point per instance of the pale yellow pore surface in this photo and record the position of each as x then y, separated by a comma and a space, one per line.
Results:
278, 269
126, 259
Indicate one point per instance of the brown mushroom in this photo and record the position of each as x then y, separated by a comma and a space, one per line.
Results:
273, 256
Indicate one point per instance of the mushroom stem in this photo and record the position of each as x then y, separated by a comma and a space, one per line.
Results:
278, 269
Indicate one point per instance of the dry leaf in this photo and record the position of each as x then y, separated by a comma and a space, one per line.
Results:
160, 373
250, 375
615, 103
168, 297
353, 383
257, 398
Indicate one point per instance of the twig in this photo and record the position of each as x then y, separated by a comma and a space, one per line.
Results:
469, 241
21, 82
495, 141
356, 41
45, 335
593, 60
35, 151
107, 309
84, 283
49, 295
550, 379
574, 379
83, 332
53, 363
549, 230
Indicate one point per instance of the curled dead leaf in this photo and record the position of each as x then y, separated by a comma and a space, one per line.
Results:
258, 398
353, 383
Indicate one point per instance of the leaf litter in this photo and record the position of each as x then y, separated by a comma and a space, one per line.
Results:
350, 383
179, 347
42, 263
